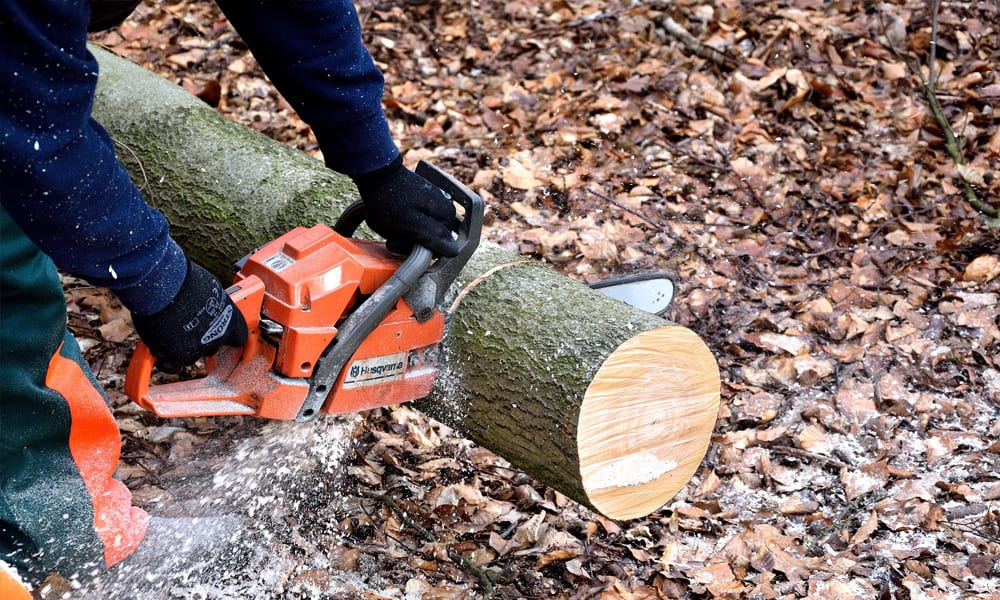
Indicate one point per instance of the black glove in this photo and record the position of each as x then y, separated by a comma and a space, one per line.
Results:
406, 209
196, 323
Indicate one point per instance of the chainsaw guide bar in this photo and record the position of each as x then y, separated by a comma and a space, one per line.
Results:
336, 324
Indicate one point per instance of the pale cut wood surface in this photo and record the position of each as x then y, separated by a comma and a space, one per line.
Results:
646, 421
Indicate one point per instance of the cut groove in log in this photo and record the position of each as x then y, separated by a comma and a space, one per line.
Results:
609, 405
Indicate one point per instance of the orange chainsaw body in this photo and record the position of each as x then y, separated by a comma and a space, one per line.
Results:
294, 292
336, 324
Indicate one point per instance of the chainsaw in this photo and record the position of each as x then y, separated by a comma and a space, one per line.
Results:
336, 324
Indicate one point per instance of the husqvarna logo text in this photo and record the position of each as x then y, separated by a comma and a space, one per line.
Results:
373, 371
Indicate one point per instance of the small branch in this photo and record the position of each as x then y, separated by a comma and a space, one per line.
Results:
951, 144
214, 46
809, 456
694, 45
970, 530
391, 504
481, 574
931, 76
625, 208
927, 85
601, 15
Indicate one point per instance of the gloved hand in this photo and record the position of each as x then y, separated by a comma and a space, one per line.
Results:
406, 209
196, 323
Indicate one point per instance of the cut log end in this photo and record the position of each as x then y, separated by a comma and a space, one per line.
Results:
646, 421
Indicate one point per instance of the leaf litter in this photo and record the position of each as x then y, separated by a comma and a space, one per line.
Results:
781, 159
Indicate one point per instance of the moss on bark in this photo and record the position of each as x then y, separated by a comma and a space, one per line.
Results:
224, 188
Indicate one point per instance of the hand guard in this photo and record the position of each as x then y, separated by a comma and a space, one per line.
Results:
406, 209
196, 323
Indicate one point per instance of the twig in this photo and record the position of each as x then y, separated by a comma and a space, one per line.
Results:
625, 208
694, 45
951, 145
467, 565
850, 513
391, 503
931, 76
697, 160
213, 46
810, 456
480, 573
927, 85
601, 15
970, 530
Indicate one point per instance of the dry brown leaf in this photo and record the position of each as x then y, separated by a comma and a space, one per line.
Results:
184, 58
770, 79
116, 331
894, 70
798, 506
519, 177
719, 579
983, 269
866, 530
814, 439
792, 344
555, 556
502, 546
802, 88
868, 478
753, 174
856, 400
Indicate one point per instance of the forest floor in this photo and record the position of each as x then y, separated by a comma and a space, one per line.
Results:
783, 159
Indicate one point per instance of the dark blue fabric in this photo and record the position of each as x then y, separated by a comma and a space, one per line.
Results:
60, 180
312, 51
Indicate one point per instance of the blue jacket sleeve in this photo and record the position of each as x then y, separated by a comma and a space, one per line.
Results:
313, 53
59, 178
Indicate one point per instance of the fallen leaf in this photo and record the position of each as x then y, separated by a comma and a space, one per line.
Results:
517, 176
116, 331
982, 269
866, 530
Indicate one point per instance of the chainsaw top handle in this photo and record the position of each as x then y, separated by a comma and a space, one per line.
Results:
420, 280
430, 290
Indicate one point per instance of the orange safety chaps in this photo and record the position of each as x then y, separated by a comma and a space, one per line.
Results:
61, 510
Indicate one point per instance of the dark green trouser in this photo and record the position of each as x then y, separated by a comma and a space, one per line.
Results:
60, 509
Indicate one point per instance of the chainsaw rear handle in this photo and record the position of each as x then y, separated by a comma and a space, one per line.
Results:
429, 291
247, 295
469, 229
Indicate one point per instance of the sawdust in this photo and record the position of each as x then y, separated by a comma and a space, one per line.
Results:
633, 469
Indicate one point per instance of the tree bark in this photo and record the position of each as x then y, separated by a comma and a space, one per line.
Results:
610, 405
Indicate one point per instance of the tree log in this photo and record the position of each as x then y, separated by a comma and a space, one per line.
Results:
607, 404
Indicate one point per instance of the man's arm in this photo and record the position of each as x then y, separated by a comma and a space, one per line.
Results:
312, 51
59, 177
62, 184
